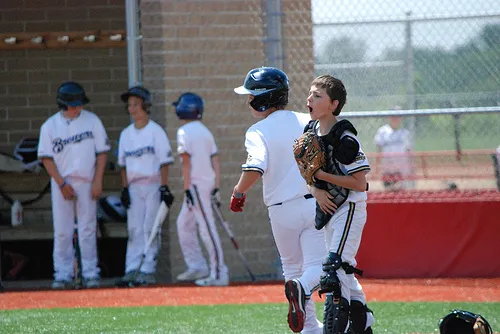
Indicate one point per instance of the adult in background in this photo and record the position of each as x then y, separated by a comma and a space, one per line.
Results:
395, 143
73, 149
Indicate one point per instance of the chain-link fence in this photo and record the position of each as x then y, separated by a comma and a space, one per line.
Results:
419, 55
416, 54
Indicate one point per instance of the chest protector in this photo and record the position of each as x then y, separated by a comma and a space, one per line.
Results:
336, 151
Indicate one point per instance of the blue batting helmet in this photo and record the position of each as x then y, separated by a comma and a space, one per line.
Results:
268, 85
71, 94
189, 106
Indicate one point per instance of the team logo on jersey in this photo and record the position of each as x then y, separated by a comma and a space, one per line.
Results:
140, 152
360, 158
249, 158
58, 143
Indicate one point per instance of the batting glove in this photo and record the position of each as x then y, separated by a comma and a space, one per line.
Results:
125, 198
189, 199
216, 197
237, 201
166, 196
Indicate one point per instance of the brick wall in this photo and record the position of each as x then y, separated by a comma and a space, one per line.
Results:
208, 47
202, 46
29, 78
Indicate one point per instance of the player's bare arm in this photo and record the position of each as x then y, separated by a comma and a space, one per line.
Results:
164, 174
324, 199
186, 170
123, 176
246, 181
216, 166
356, 181
99, 174
66, 189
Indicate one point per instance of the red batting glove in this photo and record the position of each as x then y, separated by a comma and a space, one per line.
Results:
237, 202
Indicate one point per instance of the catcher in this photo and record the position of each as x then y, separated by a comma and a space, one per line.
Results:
330, 159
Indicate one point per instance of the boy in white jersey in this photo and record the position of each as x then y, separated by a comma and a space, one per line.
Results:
395, 143
144, 154
340, 192
291, 207
201, 173
73, 148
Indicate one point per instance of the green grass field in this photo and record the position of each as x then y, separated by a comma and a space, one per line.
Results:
395, 318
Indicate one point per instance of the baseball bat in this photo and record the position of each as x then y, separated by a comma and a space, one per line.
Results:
160, 217
225, 227
78, 255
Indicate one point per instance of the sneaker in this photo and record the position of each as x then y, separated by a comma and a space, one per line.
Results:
192, 275
146, 279
62, 285
127, 280
210, 281
93, 282
296, 299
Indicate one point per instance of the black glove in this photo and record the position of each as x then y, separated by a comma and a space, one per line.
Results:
125, 198
216, 197
189, 199
166, 195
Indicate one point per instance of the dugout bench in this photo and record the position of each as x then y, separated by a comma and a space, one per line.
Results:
37, 228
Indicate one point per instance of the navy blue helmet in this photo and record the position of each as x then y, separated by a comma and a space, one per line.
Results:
268, 85
189, 106
71, 94
140, 92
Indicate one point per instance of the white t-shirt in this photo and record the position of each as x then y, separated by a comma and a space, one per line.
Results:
395, 142
73, 143
195, 139
143, 151
269, 144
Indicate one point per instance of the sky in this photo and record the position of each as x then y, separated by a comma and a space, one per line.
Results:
443, 34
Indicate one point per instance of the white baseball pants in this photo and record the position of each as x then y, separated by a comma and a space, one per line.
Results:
144, 205
301, 248
200, 218
63, 213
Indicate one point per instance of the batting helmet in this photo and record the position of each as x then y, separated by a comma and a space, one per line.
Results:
110, 208
464, 322
189, 106
71, 94
141, 93
268, 85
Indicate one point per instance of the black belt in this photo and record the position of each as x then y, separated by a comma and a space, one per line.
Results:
305, 196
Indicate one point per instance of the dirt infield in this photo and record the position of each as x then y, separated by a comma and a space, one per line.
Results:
404, 290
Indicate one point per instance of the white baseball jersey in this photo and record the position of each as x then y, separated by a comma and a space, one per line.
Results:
143, 151
269, 144
85, 135
394, 141
195, 139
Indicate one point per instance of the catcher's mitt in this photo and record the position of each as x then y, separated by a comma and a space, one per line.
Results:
309, 154
460, 321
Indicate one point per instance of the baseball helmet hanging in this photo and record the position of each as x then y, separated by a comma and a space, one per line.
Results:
110, 208
141, 93
189, 106
268, 85
71, 94
464, 322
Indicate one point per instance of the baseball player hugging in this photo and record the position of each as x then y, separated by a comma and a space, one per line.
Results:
144, 154
340, 191
73, 148
291, 207
201, 173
